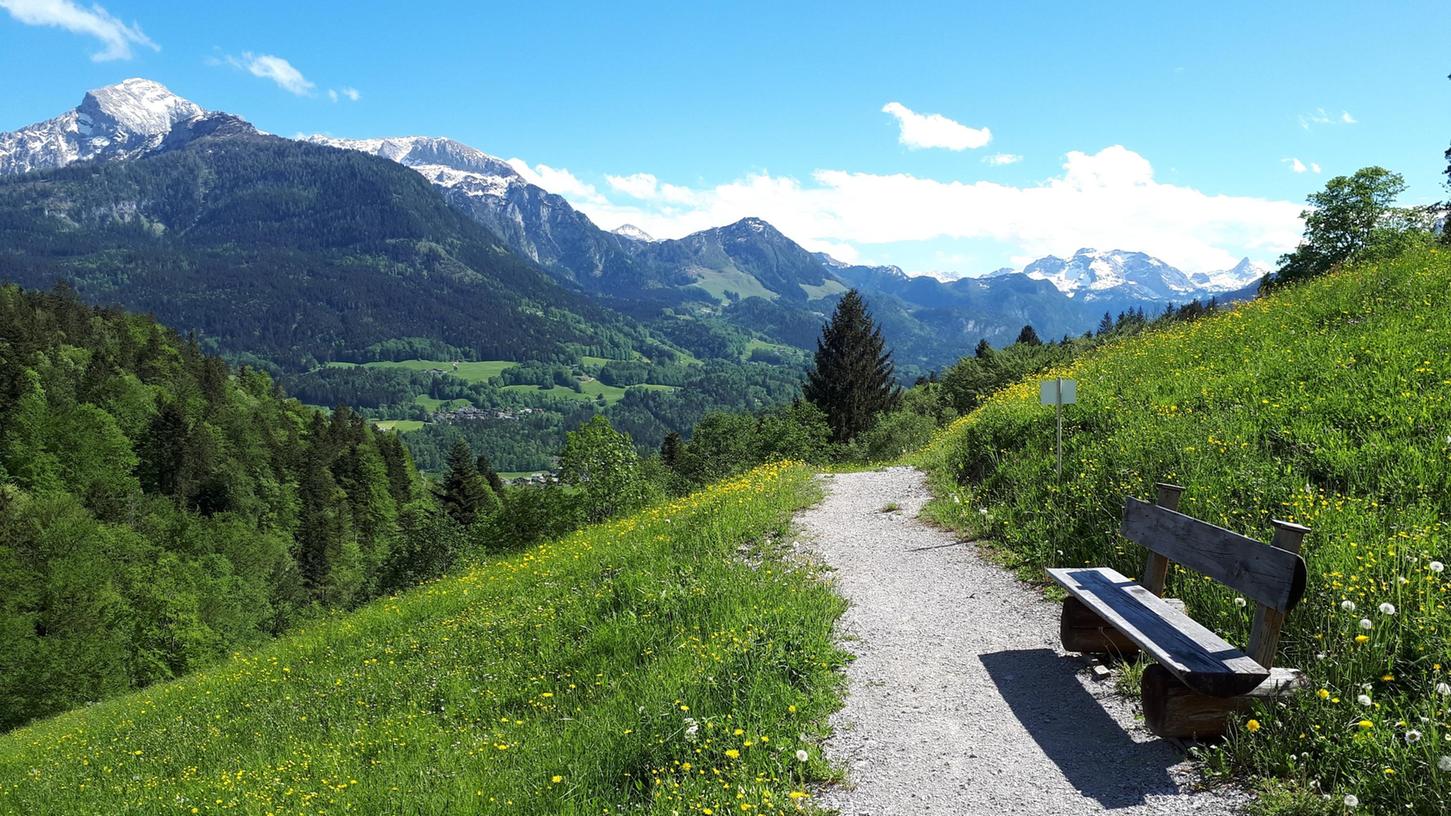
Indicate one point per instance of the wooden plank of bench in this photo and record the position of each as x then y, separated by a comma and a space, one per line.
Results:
1202, 660
1270, 576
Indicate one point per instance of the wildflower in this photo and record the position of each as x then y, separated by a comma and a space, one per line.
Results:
1436, 566
1252, 726
1239, 602
1366, 725
1413, 736
1352, 801
801, 755
797, 795
733, 753
1361, 638
556, 779
1348, 606
1365, 623
1323, 694
1443, 689
1363, 699
1387, 609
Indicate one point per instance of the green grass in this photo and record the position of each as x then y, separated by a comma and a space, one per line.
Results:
590, 390
640, 666
719, 281
400, 425
1328, 404
434, 404
821, 290
473, 371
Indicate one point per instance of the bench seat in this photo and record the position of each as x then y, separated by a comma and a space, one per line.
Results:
1201, 660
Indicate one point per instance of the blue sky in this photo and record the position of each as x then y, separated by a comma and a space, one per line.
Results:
1178, 131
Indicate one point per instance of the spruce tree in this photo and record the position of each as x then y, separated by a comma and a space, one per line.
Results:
486, 470
983, 350
1029, 336
464, 495
670, 450
853, 379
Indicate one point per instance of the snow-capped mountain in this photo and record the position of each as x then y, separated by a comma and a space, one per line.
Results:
118, 121
443, 161
1094, 274
1238, 276
633, 232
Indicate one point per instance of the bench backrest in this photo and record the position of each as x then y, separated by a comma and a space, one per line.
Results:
1267, 575
1273, 575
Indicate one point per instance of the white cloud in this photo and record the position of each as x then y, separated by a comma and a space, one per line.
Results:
1108, 199
1321, 117
919, 130
271, 67
116, 37
1000, 159
350, 94
558, 180
1314, 168
646, 187
1297, 166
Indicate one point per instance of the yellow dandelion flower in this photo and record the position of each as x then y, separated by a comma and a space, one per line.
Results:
1252, 726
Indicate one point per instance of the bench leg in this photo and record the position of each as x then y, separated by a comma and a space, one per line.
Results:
1083, 631
1172, 709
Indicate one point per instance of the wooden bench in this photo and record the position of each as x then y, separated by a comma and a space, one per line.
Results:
1199, 679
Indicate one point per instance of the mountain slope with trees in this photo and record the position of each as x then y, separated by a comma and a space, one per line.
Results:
158, 510
292, 253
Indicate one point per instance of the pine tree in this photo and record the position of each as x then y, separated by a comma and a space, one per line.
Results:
486, 470
853, 378
983, 350
670, 450
1105, 325
1029, 336
465, 495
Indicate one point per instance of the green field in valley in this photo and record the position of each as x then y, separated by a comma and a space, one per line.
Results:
471, 371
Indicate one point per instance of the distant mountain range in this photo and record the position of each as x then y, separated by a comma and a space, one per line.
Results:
747, 275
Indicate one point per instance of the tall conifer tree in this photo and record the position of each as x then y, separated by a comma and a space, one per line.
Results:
465, 495
853, 379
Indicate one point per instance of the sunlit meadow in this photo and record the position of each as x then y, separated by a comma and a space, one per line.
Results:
677, 661
1328, 404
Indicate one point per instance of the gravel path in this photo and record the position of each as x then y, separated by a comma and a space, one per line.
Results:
960, 700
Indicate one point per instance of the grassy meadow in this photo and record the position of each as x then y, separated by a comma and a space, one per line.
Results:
475, 371
674, 661
1327, 404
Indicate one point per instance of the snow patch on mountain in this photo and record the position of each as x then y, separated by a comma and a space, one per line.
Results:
118, 121
445, 162
1239, 276
633, 232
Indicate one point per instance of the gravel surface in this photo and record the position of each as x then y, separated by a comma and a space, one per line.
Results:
960, 700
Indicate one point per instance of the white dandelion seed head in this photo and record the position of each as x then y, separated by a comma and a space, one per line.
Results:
1388, 609
801, 755
1348, 606
1363, 699
1352, 801
1444, 763
1366, 624
1239, 602
1436, 566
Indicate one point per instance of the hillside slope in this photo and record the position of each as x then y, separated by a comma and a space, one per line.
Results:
640, 666
1328, 404
292, 252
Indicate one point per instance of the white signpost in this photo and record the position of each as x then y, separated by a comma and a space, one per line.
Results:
1058, 392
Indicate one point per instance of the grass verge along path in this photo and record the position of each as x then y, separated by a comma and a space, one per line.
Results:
668, 662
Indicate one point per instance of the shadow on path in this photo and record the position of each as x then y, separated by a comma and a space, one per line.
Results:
1092, 750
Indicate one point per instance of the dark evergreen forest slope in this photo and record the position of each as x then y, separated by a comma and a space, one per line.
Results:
293, 252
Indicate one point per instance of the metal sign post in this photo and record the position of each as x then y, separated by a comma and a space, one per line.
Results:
1058, 392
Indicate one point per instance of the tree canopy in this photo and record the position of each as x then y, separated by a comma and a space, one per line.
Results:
853, 379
